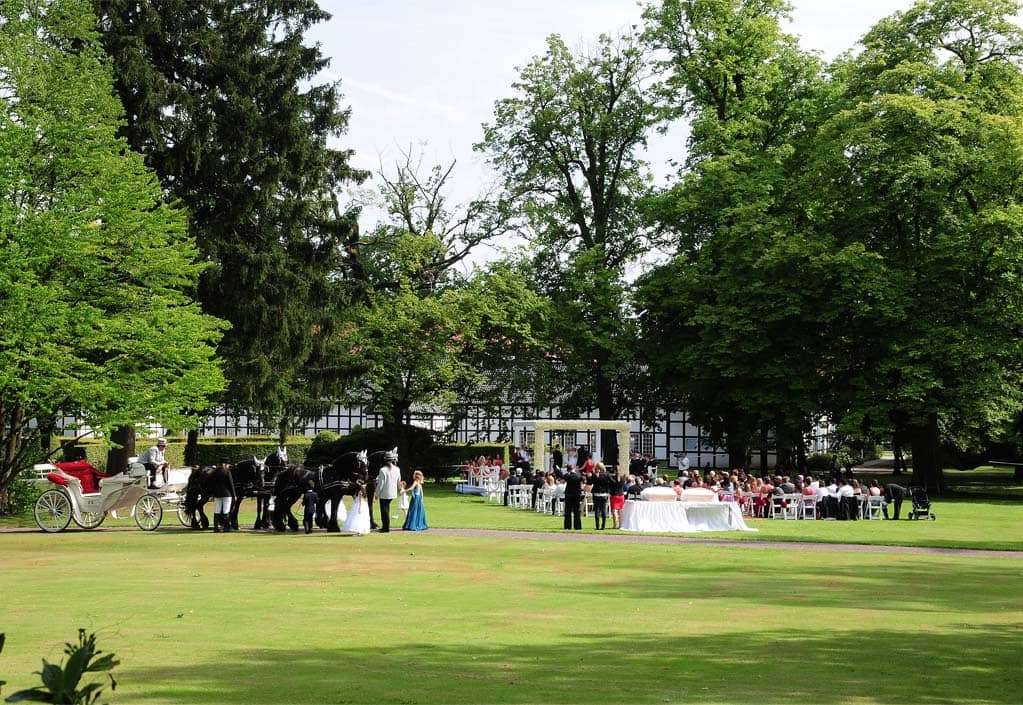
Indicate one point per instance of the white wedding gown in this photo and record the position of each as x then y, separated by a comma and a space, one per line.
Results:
357, 521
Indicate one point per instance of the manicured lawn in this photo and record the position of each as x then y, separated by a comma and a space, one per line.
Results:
433, 618
980, 523
197, 617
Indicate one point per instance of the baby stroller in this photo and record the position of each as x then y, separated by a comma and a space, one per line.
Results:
921, 505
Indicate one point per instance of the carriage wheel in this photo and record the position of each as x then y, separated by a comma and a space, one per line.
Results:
186, 521
90, 520
148, 512
53, 511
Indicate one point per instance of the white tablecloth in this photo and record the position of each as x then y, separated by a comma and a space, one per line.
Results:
682, 517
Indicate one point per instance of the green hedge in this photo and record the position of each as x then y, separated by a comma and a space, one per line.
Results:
435, 461
211, 450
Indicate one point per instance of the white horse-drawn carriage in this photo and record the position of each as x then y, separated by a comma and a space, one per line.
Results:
86, 495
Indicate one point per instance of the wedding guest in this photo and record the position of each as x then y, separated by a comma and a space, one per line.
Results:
600, 488
616, 499
415, 519
573, 500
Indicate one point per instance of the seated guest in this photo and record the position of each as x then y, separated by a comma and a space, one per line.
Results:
874, 490
634, 487
538, 483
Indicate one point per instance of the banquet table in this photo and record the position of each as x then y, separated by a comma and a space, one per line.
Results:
682, 517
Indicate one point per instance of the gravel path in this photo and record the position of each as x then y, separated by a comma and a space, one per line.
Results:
615, 537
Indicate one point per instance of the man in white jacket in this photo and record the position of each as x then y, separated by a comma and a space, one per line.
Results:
155, 461
387, 489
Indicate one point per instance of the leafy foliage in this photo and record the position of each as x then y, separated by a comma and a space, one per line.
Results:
567, 146
61, 682
222, 100
848, 237
97, 273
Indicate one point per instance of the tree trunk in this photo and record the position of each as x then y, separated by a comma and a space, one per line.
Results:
117, 457
763, 451
927, 471
607, 410
192, 448
898, 463
737, 454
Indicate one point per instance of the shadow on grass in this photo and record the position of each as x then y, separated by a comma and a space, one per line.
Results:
810, 663
893, 587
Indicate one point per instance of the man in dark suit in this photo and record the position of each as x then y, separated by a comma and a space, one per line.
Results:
221, 487
894, 494
600, 487
573, 499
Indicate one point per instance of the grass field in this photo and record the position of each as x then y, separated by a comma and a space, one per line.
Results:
437, 617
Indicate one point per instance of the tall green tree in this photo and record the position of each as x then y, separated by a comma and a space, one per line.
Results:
922, 166
744, 310
97, 272
419, 325
222, 99
568, 146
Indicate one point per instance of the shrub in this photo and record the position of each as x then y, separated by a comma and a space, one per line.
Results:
325, 437
372, 439
21, 494
60, 683
819, 465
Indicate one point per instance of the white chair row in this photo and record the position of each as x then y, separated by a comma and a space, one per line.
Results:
800, 506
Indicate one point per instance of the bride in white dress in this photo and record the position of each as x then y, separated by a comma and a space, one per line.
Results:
357, 521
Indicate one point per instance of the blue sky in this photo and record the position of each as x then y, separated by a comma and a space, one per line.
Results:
427, 72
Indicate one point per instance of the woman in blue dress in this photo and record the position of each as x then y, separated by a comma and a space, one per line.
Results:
415, 519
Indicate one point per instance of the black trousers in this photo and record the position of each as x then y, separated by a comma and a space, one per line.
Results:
573, 513
599, 511
152, 468
385, 515
897, 503
307, 522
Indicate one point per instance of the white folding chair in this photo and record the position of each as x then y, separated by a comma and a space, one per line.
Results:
874, 508
493, 490
790, 506
808, 506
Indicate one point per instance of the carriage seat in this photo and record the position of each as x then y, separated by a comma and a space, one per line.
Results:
83, 471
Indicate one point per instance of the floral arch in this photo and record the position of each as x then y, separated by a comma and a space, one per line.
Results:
540, 426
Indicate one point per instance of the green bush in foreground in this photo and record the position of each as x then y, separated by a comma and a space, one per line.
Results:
60, 682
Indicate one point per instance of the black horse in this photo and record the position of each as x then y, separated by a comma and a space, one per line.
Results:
255, 478
197, 494
345, 476
376, 460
